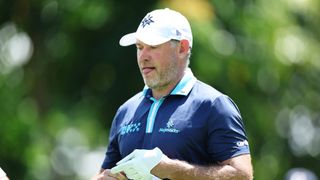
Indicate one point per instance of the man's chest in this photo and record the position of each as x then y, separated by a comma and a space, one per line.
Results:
173, 132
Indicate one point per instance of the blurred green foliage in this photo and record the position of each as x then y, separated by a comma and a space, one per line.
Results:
63, 76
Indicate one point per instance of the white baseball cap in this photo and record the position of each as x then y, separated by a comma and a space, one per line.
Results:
160, 26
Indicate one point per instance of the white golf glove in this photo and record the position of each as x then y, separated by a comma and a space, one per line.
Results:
2, 174
138, 164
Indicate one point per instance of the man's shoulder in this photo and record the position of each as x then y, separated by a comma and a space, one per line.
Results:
205, 91
136, 99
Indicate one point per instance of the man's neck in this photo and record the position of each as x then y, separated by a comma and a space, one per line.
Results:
160, 92
165, 90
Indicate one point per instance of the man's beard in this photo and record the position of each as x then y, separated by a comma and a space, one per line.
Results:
163, 78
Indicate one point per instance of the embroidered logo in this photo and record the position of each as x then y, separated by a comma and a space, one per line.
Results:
178, 33
242, 143
170, 124
170, 128
146, 21
130, 128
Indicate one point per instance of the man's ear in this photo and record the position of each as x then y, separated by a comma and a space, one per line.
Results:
184, 46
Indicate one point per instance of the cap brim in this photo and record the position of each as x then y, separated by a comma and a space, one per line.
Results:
147, 38
128, 39
151, 39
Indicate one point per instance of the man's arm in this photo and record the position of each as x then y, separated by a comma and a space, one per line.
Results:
238, 168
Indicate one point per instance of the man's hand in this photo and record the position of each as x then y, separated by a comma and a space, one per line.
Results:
139, 163
107, 175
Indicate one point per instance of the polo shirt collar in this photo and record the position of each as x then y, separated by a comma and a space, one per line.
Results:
183, 87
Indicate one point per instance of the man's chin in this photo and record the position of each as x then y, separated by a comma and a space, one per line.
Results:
151, 84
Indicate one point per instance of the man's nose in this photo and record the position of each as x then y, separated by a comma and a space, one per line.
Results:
143, 54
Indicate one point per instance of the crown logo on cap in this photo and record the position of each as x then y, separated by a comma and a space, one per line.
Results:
147, 20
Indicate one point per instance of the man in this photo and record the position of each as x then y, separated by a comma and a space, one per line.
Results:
178, 127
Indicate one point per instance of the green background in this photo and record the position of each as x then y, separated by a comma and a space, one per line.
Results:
63, 75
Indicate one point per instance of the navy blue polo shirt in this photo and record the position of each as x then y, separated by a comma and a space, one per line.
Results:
194, 123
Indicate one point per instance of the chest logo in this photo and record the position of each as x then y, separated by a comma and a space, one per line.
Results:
130, 128
170, 128
170, 124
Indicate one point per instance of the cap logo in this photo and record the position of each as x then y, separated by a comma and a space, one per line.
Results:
178, 33
147, 20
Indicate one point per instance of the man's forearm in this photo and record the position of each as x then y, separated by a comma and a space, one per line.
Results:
176, 170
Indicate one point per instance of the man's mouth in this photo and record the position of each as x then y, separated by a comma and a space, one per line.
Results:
147, 70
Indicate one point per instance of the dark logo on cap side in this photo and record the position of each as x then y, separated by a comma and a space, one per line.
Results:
146, 21
178, 33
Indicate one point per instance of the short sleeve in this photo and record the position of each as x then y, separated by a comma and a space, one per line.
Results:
227, 137
113, 153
